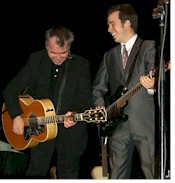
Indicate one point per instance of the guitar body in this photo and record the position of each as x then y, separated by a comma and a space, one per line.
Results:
118, 110
109, 127
97, 173
116, 114
30, 107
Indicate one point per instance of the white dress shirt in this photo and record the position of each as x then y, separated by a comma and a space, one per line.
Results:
129, 46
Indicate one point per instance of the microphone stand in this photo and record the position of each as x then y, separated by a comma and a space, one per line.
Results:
159, 13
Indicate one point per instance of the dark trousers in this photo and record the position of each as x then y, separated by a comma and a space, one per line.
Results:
13, 164
121, 146
69, 146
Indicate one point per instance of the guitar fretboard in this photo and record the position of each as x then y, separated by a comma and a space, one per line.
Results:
119, 103
104, 157
104, 160
96, 115
58, 118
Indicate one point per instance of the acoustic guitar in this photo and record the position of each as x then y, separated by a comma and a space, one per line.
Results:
40, 121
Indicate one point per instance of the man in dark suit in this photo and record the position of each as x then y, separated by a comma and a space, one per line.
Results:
139, 129
64, 78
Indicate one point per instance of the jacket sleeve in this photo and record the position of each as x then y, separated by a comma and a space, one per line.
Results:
15, 88
100, 84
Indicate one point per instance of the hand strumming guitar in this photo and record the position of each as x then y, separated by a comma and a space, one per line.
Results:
18, 125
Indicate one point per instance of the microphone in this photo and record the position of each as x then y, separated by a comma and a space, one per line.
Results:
161, 3
159, 10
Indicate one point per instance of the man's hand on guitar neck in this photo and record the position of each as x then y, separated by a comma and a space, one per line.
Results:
68, 121
148, 82
18, 125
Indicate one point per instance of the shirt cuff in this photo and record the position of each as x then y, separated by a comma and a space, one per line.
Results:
150, 91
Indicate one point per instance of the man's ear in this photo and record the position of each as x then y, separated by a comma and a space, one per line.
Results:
128, 23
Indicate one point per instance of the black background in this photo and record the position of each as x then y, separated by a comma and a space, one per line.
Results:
23, 26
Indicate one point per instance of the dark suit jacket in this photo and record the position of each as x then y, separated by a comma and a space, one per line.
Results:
140, 106
35, 80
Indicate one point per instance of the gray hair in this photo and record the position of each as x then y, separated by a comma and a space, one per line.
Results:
62, 34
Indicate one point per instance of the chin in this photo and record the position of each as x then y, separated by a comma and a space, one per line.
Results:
58, 63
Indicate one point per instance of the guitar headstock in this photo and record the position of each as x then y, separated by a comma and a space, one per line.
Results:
167, 67
95, 115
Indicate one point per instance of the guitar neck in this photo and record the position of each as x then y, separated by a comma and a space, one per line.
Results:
104, 157
104, 161
59, 118
124, 98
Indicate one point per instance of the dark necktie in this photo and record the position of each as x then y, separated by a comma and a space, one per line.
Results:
124, 56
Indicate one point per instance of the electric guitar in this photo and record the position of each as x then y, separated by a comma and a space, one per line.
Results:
115, 111
101, 172
40, 121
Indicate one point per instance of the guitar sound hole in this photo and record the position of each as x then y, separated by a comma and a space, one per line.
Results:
33, 123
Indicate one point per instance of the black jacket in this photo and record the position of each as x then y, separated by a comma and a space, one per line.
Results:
35, 80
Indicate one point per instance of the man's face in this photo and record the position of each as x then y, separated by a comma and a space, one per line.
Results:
116, 28
56, 53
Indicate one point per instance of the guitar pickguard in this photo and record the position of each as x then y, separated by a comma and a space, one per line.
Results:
34, 128
29, 131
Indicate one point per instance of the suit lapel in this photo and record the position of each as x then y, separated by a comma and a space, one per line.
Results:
118, 59
132, 56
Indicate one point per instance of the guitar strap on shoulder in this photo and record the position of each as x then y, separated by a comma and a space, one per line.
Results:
132, 66
62, 88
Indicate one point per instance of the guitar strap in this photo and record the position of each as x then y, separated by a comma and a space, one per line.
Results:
62, 88
132, 67
126, 83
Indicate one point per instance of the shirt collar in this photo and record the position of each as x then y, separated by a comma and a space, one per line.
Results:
130, 42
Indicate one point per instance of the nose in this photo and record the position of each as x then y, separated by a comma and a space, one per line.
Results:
109, 29
58, 56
